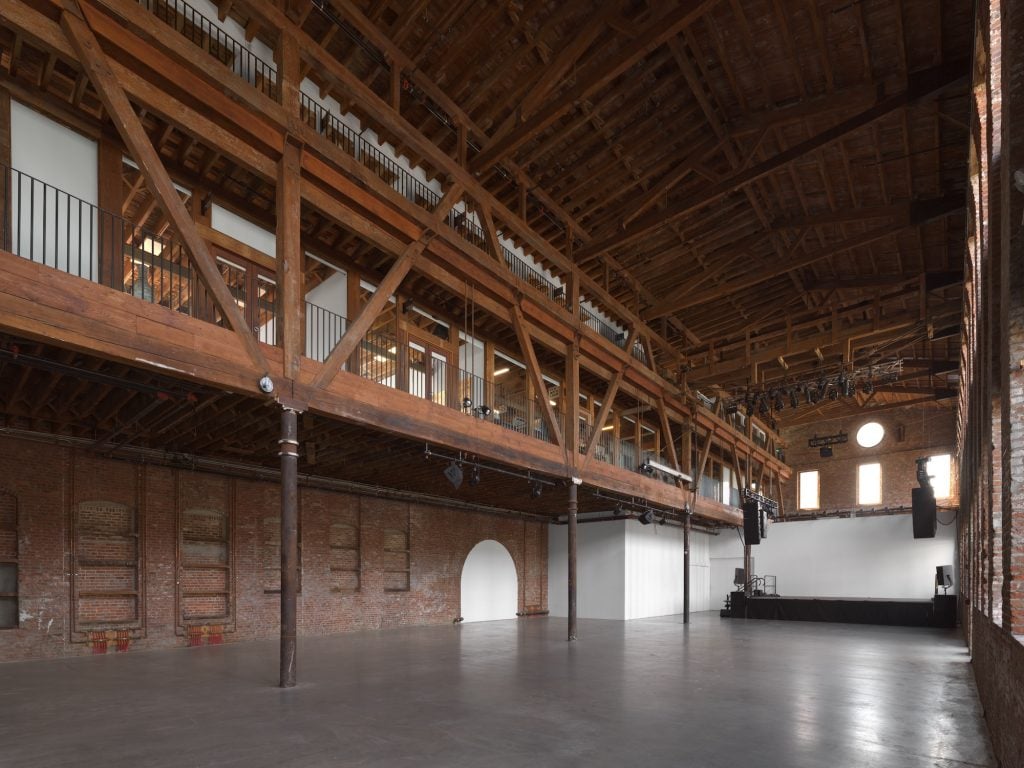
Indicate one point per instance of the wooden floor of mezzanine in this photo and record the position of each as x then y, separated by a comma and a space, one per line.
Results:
385, 430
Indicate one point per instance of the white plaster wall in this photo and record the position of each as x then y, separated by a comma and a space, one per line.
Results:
875, 557
243, 230
324, 331
67, 161
601, 564
490, 588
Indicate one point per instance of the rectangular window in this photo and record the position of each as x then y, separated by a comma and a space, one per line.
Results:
869, 484
809, 490
939, 468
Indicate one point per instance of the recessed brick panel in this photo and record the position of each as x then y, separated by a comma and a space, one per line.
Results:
385, 587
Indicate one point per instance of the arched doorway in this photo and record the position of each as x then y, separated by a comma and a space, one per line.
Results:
490, 587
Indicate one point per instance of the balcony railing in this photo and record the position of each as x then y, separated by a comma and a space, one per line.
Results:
207, 35
52, 227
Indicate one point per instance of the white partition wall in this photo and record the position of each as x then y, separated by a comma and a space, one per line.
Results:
600, 573
872, 557
626, 570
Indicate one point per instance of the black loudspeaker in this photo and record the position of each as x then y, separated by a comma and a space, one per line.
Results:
944, 576
739, 577
751, 523
925, 524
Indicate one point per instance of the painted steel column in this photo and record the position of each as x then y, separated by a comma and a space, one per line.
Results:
573, 506
686, 567
289, 454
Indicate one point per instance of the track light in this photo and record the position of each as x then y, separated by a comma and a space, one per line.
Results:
780, 403
474, 476
762, 405
536, 489
646, 517
849, 387
833, 393
454, 474
868, 387
467, 403
794, 398
483, 411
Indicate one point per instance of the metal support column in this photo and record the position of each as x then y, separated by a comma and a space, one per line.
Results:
289, 454
573, 506
747, 575
686, 566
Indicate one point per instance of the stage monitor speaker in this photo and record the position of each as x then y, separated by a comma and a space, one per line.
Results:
751, 523
739, 577
925, 521
944, 576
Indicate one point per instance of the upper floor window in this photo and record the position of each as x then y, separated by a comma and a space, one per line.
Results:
808, 490
939, 469
870, 435
869, 484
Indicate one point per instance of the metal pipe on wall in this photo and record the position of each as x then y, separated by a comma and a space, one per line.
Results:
289, 454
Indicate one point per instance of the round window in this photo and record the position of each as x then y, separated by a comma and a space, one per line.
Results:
870, 434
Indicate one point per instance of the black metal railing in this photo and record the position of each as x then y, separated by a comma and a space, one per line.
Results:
47, 225
324, 330
207, 35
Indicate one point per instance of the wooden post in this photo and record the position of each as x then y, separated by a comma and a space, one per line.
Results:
290, 291
111, 198
289, 454
573, 506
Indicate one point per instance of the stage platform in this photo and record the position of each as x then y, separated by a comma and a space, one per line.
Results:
940, 611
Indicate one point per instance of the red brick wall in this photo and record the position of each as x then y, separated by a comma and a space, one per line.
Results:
998, 660
50, 481
925, 432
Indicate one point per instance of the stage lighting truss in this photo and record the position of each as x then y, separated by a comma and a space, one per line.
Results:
828, 385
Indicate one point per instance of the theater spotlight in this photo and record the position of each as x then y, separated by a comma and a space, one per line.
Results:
466, 403
731, 408
868, 387
454, 474
536, 489
833, 393
474, 476
780, 403
794, 398
849, 387
762, 405
483, 411
646, 517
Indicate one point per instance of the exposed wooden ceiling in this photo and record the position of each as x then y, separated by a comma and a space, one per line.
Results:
725, 167
772, 183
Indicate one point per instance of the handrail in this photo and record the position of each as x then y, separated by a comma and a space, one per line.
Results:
47, 225
206, 34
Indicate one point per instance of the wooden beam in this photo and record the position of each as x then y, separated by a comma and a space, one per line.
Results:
919, 85
654, 35
602, 416
666, 427
159, 182
536, 376
357, 328
943, 208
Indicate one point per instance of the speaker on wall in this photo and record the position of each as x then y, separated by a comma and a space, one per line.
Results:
925, 522
751, 523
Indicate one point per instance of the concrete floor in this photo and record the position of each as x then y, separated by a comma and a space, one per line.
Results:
653, 692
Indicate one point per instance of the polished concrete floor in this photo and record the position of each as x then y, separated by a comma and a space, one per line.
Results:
652, 692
